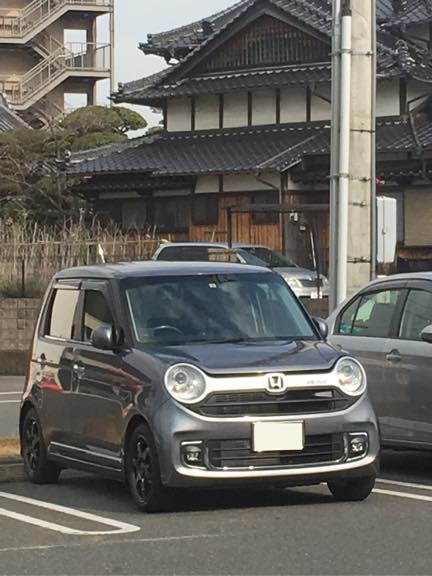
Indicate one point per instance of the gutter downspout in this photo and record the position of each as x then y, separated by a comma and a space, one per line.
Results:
373, 260
344, 152
334, 159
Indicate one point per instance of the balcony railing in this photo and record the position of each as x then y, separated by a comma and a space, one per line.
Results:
18, 23
75, 57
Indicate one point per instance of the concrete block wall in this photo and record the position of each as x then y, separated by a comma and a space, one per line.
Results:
17, 320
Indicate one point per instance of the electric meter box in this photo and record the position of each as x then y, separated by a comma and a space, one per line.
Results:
386, 229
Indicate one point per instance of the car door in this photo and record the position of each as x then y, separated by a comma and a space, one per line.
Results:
409, 369
363, 328
51, 361
97, 382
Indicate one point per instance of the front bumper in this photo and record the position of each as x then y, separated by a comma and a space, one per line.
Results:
175, 425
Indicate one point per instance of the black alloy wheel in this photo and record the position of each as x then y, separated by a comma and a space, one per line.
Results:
143, 472
36, 464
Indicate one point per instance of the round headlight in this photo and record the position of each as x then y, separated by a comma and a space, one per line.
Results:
185, 383
351, 377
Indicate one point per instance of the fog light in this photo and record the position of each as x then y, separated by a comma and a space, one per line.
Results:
193, 453
357, 445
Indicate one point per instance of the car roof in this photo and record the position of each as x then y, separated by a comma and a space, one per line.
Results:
211, 245
157, 268
398, 277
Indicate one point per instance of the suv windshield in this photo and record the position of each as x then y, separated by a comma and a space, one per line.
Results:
215, 308
270, 257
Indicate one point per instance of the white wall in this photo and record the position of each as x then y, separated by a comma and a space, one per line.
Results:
416, 89
235, 110
207, 112
236, 183
320, 108
264, 107
179, 115
293, 104
388, 102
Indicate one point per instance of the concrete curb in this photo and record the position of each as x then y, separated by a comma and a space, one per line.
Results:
11, 470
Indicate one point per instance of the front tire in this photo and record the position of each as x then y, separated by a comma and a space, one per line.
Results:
38, 468
353, 490
143, 472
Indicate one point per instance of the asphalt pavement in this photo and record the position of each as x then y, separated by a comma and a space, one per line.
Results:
88, 525
296, 531
11, 388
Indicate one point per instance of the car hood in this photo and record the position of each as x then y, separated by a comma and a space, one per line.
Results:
298, 356
296, 272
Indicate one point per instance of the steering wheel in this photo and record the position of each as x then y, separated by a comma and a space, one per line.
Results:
167, 327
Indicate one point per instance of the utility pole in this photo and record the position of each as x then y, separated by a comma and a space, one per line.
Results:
352, 196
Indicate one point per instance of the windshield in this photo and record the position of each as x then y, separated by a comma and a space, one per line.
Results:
250, 258
270, 257
215, 308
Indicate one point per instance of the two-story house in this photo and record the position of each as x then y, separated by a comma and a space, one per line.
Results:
246, 113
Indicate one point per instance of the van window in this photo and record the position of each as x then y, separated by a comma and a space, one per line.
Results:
61, 322
96, 313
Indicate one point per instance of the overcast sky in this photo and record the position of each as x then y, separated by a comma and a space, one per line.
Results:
136, 18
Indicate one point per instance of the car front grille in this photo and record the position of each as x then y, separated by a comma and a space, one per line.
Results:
261, 403
318, 449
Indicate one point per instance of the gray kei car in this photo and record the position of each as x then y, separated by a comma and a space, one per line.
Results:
171, 375
387, 325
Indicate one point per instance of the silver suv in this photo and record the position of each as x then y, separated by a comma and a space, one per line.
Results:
304, 283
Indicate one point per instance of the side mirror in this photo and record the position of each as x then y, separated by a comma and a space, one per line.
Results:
426, 334
322, 327
103, 337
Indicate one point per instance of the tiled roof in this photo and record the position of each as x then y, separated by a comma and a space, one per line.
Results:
396, 57
389, 12
235, 150
9, 120
231, 81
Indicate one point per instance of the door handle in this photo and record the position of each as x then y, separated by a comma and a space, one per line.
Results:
394, 356
41, 360
79, 370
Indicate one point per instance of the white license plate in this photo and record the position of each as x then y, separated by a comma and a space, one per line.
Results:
278, 436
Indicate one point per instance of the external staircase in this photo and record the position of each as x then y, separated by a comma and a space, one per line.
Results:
19, 26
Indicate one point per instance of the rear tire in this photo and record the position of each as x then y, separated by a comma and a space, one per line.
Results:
353, 490
38, 468
142, 472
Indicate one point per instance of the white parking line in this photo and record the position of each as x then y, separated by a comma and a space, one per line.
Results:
111, 542
10, 393
405, 484
118, 527
10, 401
403, 495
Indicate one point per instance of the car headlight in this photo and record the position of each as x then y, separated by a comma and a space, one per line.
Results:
292, 282
351, 377
185, 383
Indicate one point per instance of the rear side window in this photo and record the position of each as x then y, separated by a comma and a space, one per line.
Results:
372, 316
96, 313
416, 315
61, 321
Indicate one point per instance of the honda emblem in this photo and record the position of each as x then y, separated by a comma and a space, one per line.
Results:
275, 383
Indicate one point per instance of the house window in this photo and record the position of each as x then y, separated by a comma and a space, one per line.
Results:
205, 211
171, 214
134, 214
271, 197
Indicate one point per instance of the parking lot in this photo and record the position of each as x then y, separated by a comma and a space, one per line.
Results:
10, 393
85, 525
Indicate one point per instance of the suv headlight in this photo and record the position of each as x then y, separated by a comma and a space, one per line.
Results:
351, 377
185, 383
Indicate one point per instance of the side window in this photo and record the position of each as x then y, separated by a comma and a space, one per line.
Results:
346, 321
63, 307
170, 254
416, 315
375, 313
96, 313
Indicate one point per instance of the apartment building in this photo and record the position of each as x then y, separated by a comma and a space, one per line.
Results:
38, 66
